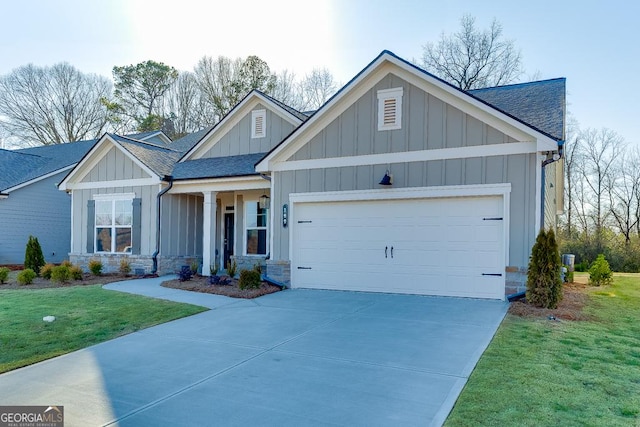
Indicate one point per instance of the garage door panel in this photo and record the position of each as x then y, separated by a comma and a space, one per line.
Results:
440, 246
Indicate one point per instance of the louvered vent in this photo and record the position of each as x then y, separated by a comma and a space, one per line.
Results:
389, 112
258, 123
390, 109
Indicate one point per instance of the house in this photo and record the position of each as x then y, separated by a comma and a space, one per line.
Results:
30, 203
399, 183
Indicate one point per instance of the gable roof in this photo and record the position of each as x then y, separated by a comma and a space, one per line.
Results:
442, 88
288, 113
541, 104
187, 142
20, 167
157, 158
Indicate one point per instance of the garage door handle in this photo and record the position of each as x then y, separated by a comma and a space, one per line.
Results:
304, 268
492, 274
386, 248
391, 251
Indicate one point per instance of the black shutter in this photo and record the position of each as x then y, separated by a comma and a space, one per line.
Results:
91, 221
136, 228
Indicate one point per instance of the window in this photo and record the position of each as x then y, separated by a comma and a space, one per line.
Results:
390, 109
256, 220
113, 223
258, 123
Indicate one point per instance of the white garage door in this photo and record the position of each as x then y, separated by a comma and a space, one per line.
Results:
443, 246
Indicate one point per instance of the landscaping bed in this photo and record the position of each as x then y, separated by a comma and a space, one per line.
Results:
201, 284
571, 306
42, 283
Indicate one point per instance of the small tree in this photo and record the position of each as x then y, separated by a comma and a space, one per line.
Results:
600, 272
544, 285
33, 257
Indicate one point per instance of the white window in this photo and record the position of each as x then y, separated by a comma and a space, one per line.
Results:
113, 223
390, 109
258, 123
256, 231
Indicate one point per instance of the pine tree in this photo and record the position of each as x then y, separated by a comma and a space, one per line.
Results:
544, 284
33, 257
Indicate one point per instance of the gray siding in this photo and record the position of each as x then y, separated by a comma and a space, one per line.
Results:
519, 170
115, 166
550, 197
427, 123
147, 194
238, 140
181, 227
41, 210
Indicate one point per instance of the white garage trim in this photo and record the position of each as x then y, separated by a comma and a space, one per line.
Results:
503, 189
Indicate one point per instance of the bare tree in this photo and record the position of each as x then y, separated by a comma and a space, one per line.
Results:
52, 105
186, 106
474, 58
286, 89
316, 88
572, 156
601, 150
623, 185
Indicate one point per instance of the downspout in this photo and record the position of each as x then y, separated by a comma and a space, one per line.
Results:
169, 179
554, 158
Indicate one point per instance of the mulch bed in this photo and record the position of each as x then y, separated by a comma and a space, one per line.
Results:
574, 299
87, 279
201, 284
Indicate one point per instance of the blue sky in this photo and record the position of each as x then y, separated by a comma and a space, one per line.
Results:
594, 44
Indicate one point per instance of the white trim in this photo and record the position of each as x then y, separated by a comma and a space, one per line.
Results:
252, 182
246, 201
72, 222
40, 178
115, 196
503, 149
116, 183
385, 64
93, 157
272, 210
3, 196
383, 96
233, 117
404, 193
257, 115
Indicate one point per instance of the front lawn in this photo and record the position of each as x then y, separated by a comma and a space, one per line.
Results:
539, 371
85, 315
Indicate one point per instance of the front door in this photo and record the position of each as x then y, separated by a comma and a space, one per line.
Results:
228, 238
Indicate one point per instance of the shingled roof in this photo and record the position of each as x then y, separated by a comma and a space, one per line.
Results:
24, 165
540, 104
217, 167
158, 158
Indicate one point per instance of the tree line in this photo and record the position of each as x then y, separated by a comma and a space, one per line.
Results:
57, 104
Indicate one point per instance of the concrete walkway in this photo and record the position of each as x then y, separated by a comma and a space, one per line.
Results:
294, 358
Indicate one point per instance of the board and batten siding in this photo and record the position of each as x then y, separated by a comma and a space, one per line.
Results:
181, 225
146, 193
518, 170
427, 123
40, 210
115, 165
238, 139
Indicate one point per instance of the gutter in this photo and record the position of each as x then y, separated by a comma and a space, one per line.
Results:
169, 179
3, 196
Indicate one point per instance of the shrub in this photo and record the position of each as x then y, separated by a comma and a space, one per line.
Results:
213, 269
95, 267
33, 258
600, 272
4, 274
569, 276
26, 276
194, 267
66, 263
45, 271
544, 286
76, 272
61, 274
125, 267
232, 268
249, 279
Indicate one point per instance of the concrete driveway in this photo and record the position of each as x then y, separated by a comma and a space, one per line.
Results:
298, 357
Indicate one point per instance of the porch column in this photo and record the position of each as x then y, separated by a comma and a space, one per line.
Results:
208, 231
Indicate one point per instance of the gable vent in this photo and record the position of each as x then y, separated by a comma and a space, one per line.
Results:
258, 123
390, 109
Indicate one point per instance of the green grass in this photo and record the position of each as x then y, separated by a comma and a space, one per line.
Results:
85, 315
546, 373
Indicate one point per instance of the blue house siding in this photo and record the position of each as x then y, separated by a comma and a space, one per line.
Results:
40, 210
